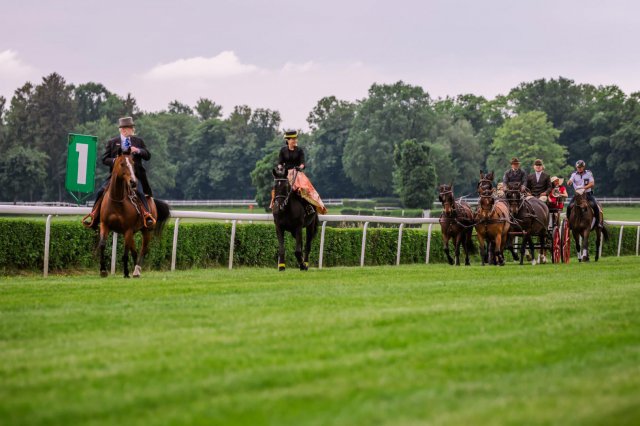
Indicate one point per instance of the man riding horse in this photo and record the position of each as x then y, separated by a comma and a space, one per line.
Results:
126, 143
583, 179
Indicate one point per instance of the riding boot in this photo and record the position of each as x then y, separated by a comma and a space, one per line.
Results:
94, 216
149, 220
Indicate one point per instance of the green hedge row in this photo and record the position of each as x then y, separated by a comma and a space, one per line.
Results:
372, 212
207, 244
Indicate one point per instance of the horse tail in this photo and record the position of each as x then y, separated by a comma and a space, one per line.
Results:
605, 231
164, 212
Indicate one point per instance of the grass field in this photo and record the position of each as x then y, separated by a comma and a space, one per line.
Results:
348, 346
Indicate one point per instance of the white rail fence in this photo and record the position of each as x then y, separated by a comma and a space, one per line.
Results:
236, 218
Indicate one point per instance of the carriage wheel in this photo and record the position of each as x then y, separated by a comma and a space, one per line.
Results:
556, 247
565, 242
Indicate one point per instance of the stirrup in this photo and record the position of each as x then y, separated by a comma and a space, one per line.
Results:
149, 217
90, 223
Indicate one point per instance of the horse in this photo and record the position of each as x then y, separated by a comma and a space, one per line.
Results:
531, 217
289, 214
456, 222
120, 213
581, 223
491, 222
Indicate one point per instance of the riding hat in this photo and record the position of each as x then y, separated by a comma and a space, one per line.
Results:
125, 122
515, 160
538, 162
291, 134
580, 163
555, 178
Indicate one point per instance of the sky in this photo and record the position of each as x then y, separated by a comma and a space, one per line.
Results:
286, 55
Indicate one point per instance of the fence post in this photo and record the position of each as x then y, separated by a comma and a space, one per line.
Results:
324, 225
174, 248
399, 243
620, 239
637, 239
47, 240
232, 243
364, 243
114, 249
428, 243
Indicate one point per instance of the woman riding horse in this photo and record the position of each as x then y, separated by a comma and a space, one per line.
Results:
456, 222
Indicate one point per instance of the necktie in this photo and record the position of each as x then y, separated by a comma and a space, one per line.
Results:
127, 144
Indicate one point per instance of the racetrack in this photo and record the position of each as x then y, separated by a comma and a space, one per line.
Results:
380, 345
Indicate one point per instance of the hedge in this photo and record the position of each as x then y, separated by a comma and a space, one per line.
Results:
207, 244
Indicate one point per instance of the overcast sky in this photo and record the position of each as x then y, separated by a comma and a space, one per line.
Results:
286, 55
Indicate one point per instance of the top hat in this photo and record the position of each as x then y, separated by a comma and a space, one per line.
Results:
126, 122
291, 134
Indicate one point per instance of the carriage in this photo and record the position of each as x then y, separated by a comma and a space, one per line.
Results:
557, 241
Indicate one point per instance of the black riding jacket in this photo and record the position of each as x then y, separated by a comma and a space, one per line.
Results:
291, 159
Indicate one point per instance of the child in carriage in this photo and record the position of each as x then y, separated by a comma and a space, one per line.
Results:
557, 198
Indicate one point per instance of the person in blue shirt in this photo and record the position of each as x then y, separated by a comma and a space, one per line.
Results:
583, 179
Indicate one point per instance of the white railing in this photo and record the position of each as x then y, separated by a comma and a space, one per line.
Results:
236, 218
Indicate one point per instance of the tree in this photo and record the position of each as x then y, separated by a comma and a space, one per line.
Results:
528, 136
176, 107
262, 178
90, 100
330, 121
623, 160
207, 109
390, 114
22, 173
53, 114
414, 175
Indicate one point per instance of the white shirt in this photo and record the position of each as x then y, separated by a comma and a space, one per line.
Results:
538, 176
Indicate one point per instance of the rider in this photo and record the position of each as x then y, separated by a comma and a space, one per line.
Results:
583, 179
515, 174
125, 143
292, 157
538, 182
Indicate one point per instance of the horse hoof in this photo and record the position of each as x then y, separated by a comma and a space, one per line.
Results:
136, 271
281, 268
127, 276
533, 262
586, 259
450, 262
104, 274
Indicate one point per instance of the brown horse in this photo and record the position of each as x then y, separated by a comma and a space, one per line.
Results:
456, 222
491, 222
581, 224
531, 217
120, 213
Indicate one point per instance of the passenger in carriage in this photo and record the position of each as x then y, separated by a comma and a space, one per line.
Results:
291, 157
557, 198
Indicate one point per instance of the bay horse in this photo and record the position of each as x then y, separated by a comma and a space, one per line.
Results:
581, 223
491, 222
531, 217
456, 222
289, 214
120, 213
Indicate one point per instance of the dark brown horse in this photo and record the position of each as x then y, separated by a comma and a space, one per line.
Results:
456, 222
581, 223
289, 214
491, 222
530, 217
120, 213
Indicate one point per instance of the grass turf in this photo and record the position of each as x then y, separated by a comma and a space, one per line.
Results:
385, 345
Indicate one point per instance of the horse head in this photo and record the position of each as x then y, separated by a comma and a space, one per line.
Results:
486, 182
123, 170
580, 200
514, 196
446, 198
282, 189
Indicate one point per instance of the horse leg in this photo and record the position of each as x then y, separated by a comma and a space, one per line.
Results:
543, 246
499, 256
482, 247
576, 237
129, 246
585, 245
457, 248
445, 238
467, 246
531, 248
146, 239
104, 233
598, 239
298, 251
280, 235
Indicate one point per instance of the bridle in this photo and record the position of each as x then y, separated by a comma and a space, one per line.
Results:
286, 197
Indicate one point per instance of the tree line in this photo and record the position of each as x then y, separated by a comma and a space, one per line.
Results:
398, 140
